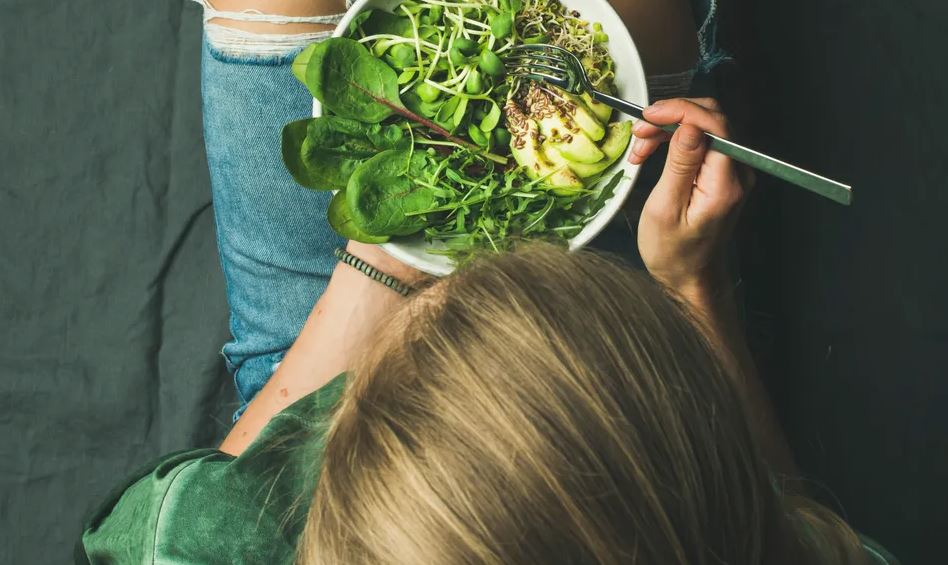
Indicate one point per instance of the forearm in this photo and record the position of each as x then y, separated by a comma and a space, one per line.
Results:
717, 311
342, 319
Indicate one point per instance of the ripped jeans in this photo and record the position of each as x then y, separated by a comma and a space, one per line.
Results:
275, 245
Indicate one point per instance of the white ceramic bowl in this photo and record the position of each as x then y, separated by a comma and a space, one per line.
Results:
630, 81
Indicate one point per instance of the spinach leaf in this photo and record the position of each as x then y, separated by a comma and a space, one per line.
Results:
340, 219
381, 193
358, 20
381, 22
335, 146
293, 138
321, 153
302, 61
350, 82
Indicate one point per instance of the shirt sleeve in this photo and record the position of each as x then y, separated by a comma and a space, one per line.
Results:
206, 507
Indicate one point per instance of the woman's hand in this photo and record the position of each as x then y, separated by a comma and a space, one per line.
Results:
683, 232
690, 214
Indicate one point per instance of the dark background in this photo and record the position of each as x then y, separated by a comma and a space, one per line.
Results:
112, 301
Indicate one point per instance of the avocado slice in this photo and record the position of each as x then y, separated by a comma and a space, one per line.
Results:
576, 110
614, 146
559, 129
602, 112
526, 150
574, 145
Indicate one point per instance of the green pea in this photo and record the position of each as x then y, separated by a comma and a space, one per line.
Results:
600, 37
502, 136
501, 25
401, 56
457, 58
491, 64
427, 92
475, 83
465, 45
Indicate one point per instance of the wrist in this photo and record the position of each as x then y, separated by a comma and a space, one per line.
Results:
378, 258
703, 291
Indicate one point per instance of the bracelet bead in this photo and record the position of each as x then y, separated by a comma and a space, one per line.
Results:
373, 273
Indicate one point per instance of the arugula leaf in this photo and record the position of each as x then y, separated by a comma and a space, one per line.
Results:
340, 219
382, 193
605, 193
350, 82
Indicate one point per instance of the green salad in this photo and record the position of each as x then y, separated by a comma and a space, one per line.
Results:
424, 133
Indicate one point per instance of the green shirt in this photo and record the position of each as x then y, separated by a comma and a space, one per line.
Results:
206, 507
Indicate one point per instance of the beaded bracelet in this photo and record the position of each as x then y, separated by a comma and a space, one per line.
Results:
373, 273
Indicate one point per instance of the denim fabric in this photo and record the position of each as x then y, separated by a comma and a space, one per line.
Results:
276, 248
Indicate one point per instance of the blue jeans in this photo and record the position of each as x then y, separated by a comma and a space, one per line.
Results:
275, 246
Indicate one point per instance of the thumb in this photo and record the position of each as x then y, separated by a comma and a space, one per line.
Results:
685, 156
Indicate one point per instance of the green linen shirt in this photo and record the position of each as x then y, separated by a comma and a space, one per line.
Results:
206, 507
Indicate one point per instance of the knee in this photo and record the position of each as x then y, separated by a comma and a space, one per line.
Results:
273, 28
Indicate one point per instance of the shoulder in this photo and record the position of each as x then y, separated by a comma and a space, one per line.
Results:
204, 506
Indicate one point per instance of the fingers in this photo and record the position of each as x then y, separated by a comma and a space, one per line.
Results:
643, 129
683, 111
648, 138
685, 156
703, 112
642, 149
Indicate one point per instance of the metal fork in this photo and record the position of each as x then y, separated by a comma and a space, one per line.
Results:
561, 68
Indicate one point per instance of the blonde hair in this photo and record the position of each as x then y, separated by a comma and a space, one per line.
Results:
545, 407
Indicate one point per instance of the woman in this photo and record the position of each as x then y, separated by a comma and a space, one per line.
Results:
537, 407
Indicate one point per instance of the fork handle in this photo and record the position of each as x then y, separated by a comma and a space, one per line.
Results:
823, 186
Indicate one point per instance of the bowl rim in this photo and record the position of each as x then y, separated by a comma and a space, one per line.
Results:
631, 63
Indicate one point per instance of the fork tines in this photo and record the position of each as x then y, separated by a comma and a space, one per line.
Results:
529, 61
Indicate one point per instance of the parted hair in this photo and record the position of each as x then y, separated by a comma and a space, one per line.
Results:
542, 407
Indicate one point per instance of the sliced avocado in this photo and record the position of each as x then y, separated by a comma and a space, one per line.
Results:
577, 110
602, 112
526, 150
572, 143
559, 129
614, 146
617, 140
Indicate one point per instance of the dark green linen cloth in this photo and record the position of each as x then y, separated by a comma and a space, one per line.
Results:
206, 507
